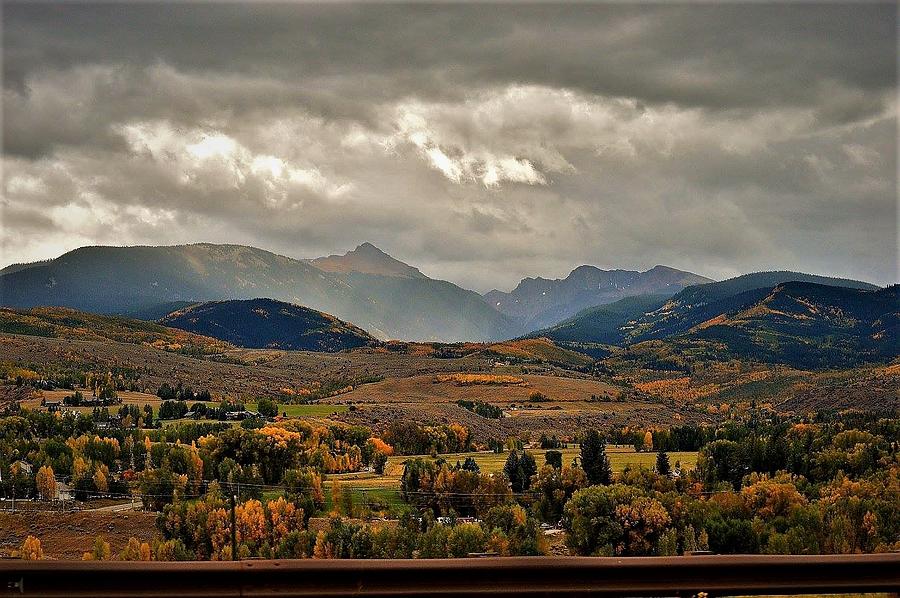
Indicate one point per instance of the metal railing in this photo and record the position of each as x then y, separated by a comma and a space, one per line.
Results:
513, 576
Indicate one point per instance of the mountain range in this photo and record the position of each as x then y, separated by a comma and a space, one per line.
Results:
646, 317
801, 324
541, 302
366, 286
780, 317
214, 291
387, 298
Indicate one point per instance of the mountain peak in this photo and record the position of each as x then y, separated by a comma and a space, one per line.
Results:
367, 248
541, 302
367, 259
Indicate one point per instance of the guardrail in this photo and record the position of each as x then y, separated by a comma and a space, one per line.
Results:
512, 576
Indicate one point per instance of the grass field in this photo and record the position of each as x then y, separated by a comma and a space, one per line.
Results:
128, 398
619, 457
429, 390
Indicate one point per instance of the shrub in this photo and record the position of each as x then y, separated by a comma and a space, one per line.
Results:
31, 549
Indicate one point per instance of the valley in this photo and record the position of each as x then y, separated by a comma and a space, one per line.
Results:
295, 409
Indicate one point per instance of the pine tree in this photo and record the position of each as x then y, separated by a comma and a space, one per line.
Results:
513, 471
662, 463
529, 468
594, 460
471, 465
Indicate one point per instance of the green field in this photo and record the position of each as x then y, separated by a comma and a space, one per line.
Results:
489, 462
619, 457
311, 410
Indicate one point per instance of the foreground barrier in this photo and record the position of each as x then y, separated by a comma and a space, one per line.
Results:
516, 576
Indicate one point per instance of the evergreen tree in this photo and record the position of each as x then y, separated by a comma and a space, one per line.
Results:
594, 460
471, 465
662, 463
529, 469
513, 471
554, 459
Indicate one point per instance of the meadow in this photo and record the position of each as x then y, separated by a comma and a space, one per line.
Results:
368, 484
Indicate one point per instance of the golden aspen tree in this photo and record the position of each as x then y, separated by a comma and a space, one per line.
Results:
100, 481
135, 551
31, 549
46, 482
100, 552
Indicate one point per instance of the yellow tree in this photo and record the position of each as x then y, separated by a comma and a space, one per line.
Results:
100, 552
323, 548
218, 528
250, 519
79, 468
135, 550
648, 440
284, 518
31, 549
148, 459
100, 481
46, 482
337, 494
643, 521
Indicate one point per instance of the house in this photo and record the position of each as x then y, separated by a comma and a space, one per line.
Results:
24, 467
459, 520
64, 491
241, 415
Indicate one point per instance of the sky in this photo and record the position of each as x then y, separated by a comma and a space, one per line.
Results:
480, 143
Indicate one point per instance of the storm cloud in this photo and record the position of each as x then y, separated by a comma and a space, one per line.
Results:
481, 143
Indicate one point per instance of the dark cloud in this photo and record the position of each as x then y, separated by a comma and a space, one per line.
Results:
481, 142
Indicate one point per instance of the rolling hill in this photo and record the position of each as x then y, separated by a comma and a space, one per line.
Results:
269, 324
812, 325
150, 281
801, 324
602, 324
697, 304
62, 322
540, 302
792, 318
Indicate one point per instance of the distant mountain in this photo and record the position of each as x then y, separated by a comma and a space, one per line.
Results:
540, 302
146, 280
266, 323
367, 259
697, 304
602, 324
802, 324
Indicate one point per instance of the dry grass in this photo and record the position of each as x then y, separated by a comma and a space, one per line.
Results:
480, 379
426, 390
253, 374
69, 535
538, 349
